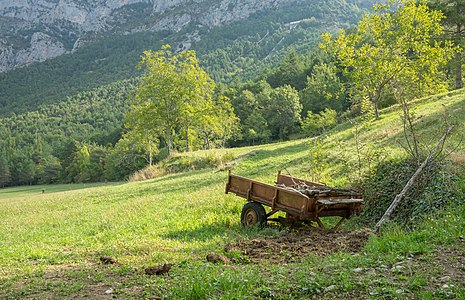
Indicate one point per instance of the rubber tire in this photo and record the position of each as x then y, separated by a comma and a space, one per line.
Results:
252, 214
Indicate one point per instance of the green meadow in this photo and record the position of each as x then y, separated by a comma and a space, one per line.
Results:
52, 237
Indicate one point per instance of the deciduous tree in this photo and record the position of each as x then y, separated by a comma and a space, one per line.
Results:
397, 46
174, 97
454, 22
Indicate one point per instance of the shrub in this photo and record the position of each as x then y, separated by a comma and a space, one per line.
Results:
435, 188
149, 172
315, 124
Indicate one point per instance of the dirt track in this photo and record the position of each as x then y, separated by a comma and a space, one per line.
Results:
297, 244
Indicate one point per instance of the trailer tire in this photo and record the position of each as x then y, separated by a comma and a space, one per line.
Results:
252, 214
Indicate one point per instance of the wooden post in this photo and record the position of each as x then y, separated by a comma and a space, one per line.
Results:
398, 198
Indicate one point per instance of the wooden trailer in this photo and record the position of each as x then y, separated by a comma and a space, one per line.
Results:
301, 200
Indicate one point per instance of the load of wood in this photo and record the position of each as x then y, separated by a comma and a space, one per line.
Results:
303, 201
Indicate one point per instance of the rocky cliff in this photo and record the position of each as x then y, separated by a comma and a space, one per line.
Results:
36, 30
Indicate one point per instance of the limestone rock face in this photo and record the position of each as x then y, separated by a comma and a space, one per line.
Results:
37, 30
42, 48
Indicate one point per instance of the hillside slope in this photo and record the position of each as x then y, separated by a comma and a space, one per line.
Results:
236, 43
52, 242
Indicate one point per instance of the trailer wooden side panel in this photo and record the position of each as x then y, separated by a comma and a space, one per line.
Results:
283, 199
309, 204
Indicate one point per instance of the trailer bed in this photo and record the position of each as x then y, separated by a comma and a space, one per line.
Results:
301, 200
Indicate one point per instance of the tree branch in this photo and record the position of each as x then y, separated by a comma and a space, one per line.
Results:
431, 157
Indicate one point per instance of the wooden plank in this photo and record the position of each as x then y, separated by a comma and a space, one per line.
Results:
339, 201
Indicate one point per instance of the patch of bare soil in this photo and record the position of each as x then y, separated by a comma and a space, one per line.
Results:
295, 245
451, 265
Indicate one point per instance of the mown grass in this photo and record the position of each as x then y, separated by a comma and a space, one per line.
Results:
34, 190
50, 243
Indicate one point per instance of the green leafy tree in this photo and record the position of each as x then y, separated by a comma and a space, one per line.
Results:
283, 111
23, 170
454, 22
318, 123
220, 124
324, 89
123, 160
291, 71
94, 170
255, 128
173, 95
142, 137
396, 47
80, 160
51, 170
5, 176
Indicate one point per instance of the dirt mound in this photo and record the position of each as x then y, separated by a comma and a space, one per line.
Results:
295, 245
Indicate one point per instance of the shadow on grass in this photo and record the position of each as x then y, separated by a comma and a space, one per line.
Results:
430, 128
185, 182
203, 232
24, 191
261, 163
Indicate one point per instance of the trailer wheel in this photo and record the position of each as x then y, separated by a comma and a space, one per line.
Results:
253, 213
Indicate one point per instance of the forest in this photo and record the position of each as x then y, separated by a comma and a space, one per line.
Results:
235, 52
98, 135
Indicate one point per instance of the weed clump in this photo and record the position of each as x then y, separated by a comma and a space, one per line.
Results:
149, 172
199, 161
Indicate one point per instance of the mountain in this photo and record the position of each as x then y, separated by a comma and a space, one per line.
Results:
37, 30
50, 49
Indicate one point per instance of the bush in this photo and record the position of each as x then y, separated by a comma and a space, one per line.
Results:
315, 124
201, 160
436, 188
149, 172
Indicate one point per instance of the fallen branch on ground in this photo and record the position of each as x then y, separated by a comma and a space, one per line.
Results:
431, 157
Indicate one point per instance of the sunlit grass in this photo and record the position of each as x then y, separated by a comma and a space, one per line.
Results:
51, 237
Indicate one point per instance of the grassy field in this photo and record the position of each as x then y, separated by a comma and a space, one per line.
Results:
51, 242
35, 190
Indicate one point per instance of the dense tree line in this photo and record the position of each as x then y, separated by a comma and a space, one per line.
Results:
64, 142
87, 137
112, 131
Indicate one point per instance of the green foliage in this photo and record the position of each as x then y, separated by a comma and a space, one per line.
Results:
282, 110
454, 23
175, 100
124, 159
290, 71
395, 50
435, 190
318, 165
324, 89
250, 112
5, 175
39, 145
315, 124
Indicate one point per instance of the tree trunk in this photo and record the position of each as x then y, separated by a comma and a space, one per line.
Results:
458, 71
170, 142
187, 139
458, 60
376, 110
432, 155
